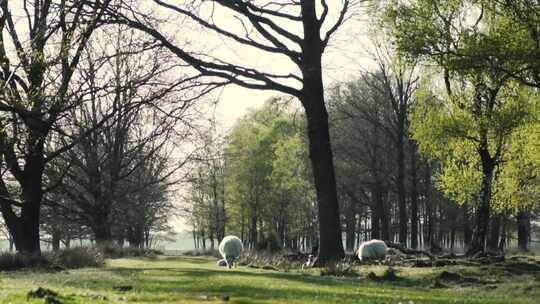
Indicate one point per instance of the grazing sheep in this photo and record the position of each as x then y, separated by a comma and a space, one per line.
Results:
372, 250
309, 262
230, 249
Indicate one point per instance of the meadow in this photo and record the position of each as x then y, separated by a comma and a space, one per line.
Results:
181, 279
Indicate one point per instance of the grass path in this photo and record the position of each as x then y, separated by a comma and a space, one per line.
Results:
198, 280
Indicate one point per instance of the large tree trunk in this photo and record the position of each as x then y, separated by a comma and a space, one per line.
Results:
523, 229
484, 206
24, 228
321, 157
320, 149
101, 228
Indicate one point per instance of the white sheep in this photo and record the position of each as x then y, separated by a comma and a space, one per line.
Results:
230, 249
372, 250
309, 262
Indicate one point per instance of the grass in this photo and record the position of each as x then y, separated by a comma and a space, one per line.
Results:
199, 280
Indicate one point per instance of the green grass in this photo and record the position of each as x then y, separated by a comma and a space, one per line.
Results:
198, 280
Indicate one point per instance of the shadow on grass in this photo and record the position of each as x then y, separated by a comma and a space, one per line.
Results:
251, 287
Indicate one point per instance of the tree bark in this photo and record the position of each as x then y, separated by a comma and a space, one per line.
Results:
24, 228
467, 232
350, 225
495, 230
320, 149
55, 241
402, 204
523, 229
478, 243
375, 222
414, 199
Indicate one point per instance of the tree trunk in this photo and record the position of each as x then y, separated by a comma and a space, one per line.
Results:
253, 232
349, 235
414, 199
384, 215
495, 230
24, 228
523, 229
504, 233
484, 207
428, 226
55, 241
102, 229
402, 205
467, 232
320, 149
375, 226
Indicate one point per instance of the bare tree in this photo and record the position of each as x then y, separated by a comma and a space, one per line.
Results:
268, 27
38, 60
101, 171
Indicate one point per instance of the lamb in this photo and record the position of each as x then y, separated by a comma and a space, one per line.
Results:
230, 249
372, 250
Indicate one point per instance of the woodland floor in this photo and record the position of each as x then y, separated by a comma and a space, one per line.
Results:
199, 280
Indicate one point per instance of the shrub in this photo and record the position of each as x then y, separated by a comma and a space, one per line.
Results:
78, 257
203, 252
14, 261
115, 252
69, 258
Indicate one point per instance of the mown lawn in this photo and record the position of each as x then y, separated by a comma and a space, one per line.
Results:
198, 280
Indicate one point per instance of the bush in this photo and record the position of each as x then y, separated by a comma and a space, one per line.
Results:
116, 252
14, 261
79, 257
202, 252
68, 258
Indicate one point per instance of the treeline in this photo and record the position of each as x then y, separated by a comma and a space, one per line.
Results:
257, 183
436, 147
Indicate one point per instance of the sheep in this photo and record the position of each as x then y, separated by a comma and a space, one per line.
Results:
309, 262
230, 249
372, 250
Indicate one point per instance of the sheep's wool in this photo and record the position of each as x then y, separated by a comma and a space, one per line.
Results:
230, 247
372, 250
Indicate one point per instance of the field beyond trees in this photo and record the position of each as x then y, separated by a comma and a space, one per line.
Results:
173, 279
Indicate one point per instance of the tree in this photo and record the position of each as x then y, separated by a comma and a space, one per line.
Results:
262, 29
36, 79
482, 106
127, 79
